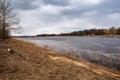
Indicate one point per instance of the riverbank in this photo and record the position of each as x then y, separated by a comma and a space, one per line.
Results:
30, 62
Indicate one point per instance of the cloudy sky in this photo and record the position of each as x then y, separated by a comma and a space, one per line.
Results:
56, 16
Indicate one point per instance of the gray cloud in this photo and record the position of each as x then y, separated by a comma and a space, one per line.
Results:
56, 16
56, 2
24, 4
104, 8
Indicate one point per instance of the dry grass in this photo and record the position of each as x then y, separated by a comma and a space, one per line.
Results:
105, 61
96, 58
30, 62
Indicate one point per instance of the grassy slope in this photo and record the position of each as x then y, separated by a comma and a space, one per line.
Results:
30, 62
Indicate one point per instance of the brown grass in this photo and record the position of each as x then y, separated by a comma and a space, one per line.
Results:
96, 58
30, 62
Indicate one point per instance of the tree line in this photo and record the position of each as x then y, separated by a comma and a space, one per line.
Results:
89, 32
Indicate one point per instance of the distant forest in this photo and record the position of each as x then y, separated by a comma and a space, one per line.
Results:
89, 32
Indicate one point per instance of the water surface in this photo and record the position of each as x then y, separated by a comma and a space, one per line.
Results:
108, 46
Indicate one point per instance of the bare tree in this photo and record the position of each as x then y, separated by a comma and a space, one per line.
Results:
112, 31
7, 17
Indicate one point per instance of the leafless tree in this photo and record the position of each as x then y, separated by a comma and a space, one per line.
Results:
8, 17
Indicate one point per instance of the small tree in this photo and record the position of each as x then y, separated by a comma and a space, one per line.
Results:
7, 18
112, 31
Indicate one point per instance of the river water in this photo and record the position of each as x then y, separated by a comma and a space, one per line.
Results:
108, 46
101, 50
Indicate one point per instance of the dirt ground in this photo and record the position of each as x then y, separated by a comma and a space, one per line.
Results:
26, 61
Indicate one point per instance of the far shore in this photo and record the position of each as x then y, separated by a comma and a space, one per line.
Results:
71, 36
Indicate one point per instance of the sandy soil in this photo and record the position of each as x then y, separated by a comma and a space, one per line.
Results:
27, 61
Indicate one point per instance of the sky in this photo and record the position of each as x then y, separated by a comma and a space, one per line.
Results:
60, 16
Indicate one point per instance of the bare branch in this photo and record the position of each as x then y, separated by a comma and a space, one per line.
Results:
7, 16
